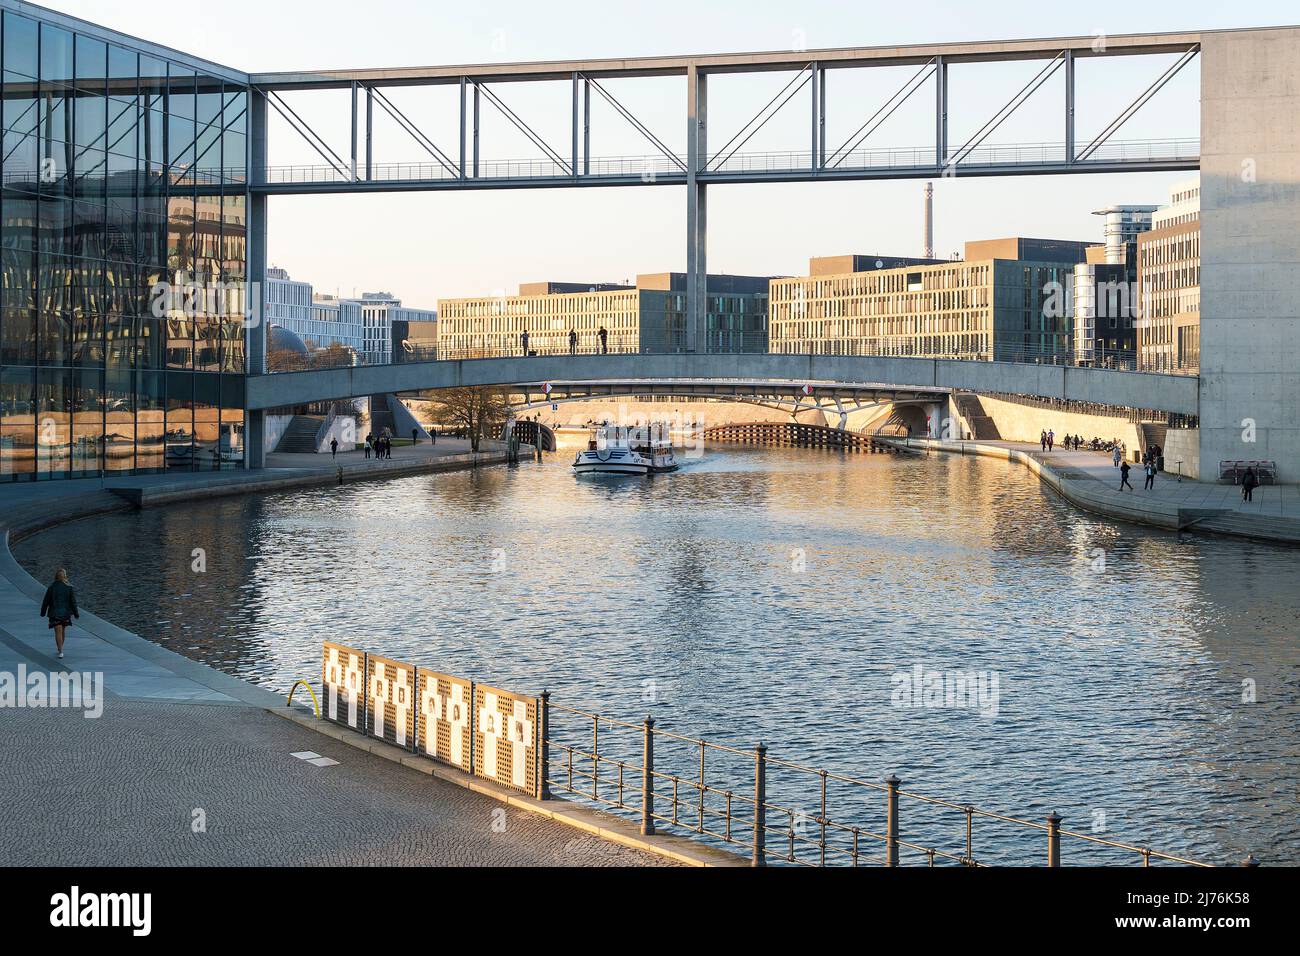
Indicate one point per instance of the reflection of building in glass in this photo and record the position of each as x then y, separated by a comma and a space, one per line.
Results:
1169, 283
124, 167
650, 316
1004, 301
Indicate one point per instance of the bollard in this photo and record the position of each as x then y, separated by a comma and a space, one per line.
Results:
760, 806
1054, 840
648, 781
891, 820
544, 751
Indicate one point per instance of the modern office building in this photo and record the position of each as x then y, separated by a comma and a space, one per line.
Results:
1104, 295
650, 316
323, 321
123, 210
992, 305
1169, 284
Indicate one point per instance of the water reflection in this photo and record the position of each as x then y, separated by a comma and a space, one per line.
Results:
772, 595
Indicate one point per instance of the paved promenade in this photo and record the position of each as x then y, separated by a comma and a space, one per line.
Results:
1091, 481
179, 744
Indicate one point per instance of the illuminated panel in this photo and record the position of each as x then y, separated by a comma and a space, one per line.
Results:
390, 701
343, 679
505, 738
446, 710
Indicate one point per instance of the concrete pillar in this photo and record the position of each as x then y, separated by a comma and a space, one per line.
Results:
697, 153
1250, 249
255, 272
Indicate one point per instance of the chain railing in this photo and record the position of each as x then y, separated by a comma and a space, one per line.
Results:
779, 811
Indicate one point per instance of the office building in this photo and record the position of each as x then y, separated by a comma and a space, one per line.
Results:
995, 304
124, 204
650, 317
1169, 284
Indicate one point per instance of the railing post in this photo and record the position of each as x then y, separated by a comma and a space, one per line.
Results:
1054, 840
648, 781
891, 820
760, 805
544, 751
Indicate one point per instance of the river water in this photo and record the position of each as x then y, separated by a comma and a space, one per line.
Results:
1141, 683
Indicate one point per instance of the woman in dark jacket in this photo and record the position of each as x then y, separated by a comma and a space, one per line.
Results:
60, 606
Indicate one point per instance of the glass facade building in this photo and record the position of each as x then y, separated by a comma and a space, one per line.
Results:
124, 211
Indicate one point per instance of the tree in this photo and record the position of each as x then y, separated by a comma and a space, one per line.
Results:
476, 411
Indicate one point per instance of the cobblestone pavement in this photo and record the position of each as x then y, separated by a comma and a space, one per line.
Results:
123, 790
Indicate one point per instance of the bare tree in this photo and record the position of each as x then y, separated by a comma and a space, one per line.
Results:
476, 411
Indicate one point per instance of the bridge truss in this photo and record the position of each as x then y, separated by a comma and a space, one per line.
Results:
460, 165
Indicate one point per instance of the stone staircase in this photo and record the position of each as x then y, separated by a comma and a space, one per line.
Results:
1152, 433
300, 437
983, 428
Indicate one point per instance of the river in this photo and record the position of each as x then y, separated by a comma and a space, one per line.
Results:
1145, 682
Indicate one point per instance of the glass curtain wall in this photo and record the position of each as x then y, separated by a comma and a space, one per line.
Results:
121, 172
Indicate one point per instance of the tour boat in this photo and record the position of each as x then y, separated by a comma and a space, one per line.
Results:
617, 450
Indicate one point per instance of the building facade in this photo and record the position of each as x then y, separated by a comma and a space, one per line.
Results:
123, 211
1169, 284
996, 304
647, 317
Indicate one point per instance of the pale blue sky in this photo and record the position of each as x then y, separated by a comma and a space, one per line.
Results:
422, 247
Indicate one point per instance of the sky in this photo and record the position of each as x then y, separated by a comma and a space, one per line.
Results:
422, 247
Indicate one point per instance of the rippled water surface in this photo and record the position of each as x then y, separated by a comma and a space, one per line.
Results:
765, 595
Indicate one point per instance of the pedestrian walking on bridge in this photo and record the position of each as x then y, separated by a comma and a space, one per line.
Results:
60, 607
1124, 469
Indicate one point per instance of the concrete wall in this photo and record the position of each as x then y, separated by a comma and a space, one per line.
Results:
1250, 248
275, 427
1017, 422
1184, 444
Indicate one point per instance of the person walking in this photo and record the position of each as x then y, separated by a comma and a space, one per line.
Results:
60, 607
1249, 482
370, 441
1051, 440
1124, 469
604, 340
1042, 439
334, 447
573, 342
1151, 476
523, 340
415, 436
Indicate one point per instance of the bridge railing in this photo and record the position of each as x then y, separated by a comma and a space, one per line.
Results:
651, 167
746, 344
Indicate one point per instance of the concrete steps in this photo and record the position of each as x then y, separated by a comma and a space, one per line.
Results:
300, 437
983, 428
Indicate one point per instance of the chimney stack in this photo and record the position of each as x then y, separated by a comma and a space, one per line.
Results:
929, 220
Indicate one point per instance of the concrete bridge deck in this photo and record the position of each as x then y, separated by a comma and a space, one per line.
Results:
1169, 393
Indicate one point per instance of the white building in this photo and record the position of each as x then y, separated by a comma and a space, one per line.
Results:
364, 325
1184, 206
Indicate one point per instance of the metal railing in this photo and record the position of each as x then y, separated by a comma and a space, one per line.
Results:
652, 167
751, 801
1119, 360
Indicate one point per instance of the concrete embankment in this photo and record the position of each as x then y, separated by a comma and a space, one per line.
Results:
1090, 481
